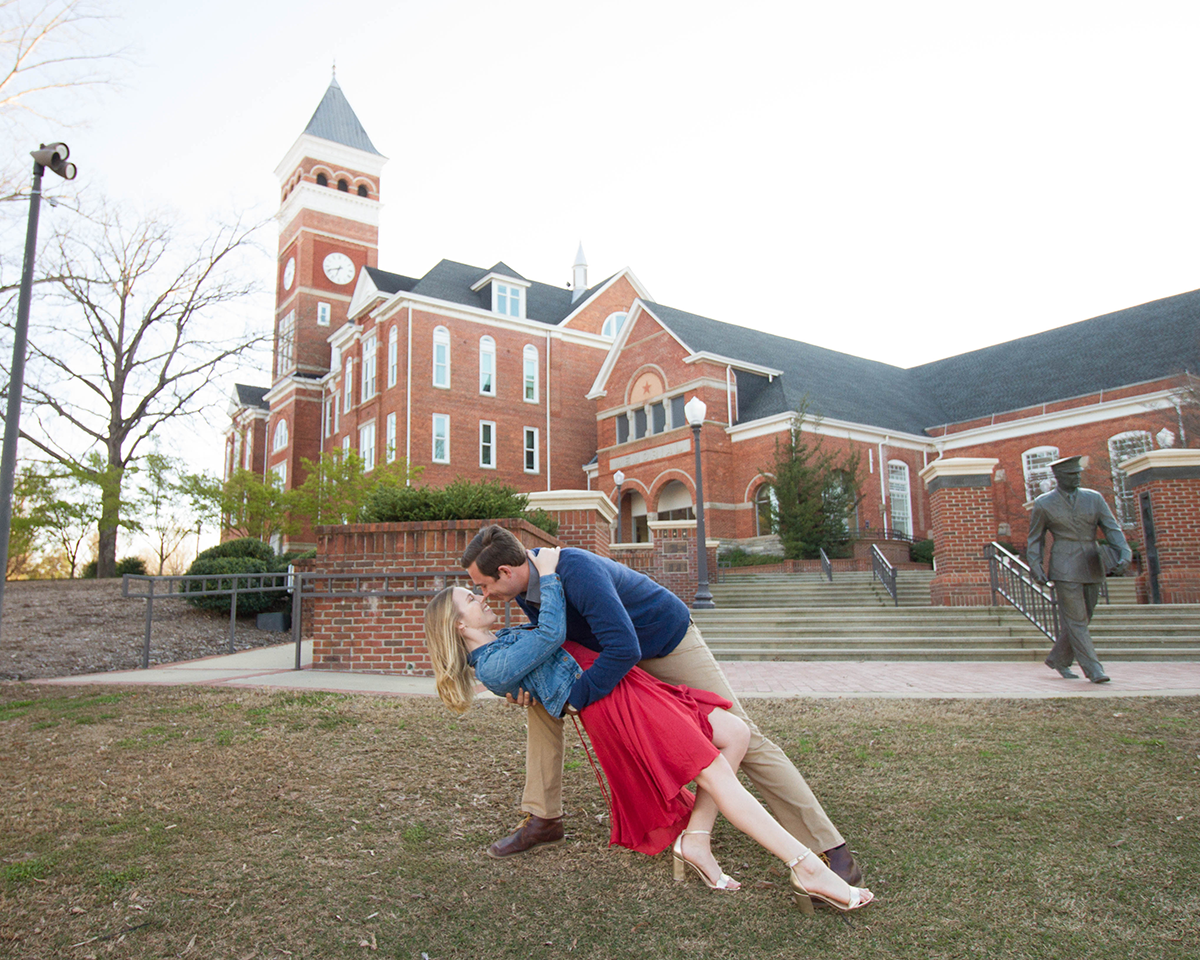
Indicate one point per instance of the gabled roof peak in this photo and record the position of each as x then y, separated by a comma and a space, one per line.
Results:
335, 120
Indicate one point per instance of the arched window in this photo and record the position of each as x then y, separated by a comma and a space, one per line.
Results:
1039, 478
1122, 447
441, 357
487, 366
675, 502
612, 324
764, 511
900, 496
530, 356
344, 186
322, 180
281, 436
362, 189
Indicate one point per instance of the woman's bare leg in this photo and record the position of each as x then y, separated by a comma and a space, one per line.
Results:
731, 737
748, 815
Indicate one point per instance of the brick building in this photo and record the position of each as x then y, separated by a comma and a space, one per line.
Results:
480, 372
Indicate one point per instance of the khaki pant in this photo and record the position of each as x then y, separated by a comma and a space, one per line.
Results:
767, 766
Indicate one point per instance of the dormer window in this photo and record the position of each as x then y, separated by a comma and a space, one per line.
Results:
506, 299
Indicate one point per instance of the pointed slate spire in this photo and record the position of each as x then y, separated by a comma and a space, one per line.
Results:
579, 275
335, 120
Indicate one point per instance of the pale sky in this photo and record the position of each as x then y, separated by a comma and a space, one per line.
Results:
901, 181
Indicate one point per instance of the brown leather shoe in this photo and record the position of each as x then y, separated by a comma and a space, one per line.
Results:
533, 832
841, 861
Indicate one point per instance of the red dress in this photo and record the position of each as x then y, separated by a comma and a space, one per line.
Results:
651, 739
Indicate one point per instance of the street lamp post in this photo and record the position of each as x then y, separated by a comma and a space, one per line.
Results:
694, 410
54, 156
619, 477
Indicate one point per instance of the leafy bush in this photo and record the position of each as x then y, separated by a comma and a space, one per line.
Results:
737, 557
921, 551
125, 565
540, 519
220, 569
243, 547
458, 500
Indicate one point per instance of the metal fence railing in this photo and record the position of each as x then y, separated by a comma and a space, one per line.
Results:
885, 573
301, 587
826, 566
1012, 580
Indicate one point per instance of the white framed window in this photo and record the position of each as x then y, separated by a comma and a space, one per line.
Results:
766, 509
366, 446
612, 324
285, 354
279, 471
327, 420
370, 345
346, 443
507, 298
337, 416
248, 449
900, 496
531, 450
280, 440
235, 446
324, 314
1039, 478
530, 366
1122, 447
393, 360
441, 438
487, 444
441, 357
348, 391
487, 366
389, 451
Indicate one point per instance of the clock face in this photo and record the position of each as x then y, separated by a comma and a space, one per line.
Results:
339, 268
289, 273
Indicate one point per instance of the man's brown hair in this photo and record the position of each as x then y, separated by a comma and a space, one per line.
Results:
491, 548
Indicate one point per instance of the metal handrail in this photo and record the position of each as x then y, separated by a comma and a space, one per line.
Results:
302, 586
885, 573
826, 566
1012, 580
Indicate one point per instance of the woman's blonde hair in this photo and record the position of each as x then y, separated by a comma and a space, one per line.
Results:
448, 653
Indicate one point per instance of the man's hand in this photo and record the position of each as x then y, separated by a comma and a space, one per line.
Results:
523, 698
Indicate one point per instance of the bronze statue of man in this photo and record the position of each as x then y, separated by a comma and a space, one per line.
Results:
1077, 563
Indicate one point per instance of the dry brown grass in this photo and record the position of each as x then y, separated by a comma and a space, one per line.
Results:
149, 822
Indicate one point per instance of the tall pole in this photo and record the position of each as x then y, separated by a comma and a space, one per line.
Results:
16, 379
704, 597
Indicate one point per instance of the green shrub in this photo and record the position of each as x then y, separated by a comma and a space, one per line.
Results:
220, 569
243, 547
921, 551
458, 500
737, 557
124, 565
540, 519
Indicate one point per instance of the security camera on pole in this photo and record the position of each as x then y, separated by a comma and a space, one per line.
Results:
54, 156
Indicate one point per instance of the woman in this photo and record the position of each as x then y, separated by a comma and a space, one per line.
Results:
652, 739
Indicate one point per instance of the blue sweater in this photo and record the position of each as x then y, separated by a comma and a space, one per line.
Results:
621, 614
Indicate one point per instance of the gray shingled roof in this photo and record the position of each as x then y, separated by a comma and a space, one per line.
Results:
1146, 342
249, 396
835, 385
390, 282
452, 281
335, 120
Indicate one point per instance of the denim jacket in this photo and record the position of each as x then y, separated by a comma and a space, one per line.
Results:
532, 658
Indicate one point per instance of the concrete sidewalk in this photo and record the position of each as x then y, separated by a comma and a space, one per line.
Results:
274, 668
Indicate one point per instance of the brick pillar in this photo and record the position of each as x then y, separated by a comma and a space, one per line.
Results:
964, 522
1166, 488
585, 517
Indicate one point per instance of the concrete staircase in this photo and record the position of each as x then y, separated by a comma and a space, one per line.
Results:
805, 617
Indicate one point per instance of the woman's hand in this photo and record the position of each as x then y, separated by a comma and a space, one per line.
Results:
546, 559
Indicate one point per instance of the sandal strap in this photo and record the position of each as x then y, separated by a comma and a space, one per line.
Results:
795, 860
704, 833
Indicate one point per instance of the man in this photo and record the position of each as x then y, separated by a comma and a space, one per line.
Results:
1077, 563
630, 620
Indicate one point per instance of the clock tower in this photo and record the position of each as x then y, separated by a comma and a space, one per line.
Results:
329, 231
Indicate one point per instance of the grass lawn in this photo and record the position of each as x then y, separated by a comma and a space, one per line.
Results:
201, 823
